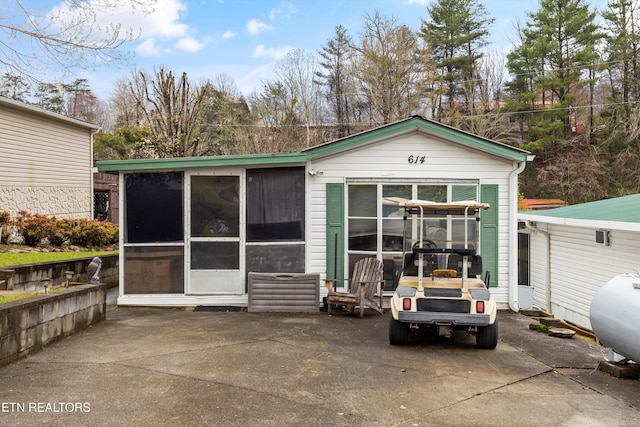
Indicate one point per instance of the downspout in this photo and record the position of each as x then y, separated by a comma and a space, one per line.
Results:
92, 171
513, 236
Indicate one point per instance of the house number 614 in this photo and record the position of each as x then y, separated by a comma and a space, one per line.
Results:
414, 160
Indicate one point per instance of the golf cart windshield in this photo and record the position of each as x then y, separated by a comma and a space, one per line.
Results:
440, 231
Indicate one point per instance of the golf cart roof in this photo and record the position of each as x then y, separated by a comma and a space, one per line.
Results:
438, 206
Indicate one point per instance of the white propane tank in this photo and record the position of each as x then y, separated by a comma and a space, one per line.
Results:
615, 315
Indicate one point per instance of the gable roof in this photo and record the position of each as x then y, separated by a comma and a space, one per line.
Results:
418, 124
37, 111
411, 125
620, 213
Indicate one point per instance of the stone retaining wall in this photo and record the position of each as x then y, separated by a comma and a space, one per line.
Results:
27, 277
30, 324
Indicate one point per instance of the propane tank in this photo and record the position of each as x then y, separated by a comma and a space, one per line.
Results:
615, 315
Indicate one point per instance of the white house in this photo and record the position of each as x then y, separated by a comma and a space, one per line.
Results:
575, 250
45, 162
193, 228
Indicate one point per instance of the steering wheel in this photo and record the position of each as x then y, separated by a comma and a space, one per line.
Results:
426, 243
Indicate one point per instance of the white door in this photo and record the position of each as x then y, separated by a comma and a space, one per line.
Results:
215, 235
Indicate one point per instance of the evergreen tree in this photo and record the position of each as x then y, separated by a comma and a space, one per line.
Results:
14, 87
557, 50
622, 56
456, 31
335, 57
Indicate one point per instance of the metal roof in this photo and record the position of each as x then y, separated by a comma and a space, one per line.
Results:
411, 125
620, 213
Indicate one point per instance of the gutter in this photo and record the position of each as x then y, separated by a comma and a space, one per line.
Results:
513, 235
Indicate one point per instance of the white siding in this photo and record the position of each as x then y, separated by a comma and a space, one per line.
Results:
539, 268
45, 164
580, 267
388, 160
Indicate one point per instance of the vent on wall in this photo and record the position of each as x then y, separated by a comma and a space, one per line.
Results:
602, 237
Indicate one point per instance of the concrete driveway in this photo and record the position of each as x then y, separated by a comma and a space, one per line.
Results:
160, 367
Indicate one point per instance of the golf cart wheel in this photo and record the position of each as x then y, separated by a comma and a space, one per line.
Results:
487, 336
398, 332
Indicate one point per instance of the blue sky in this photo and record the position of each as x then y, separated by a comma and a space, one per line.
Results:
244, 38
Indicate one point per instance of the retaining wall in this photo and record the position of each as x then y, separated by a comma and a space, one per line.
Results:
30, 324
27, 277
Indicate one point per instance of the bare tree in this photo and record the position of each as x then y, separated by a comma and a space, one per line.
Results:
125, 110
70, 36
297, 71
485, 118
171, 110
388, 68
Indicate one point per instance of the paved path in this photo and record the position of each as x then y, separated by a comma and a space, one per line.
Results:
160, 367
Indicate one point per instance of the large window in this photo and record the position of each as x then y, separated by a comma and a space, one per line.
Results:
376, 227
275, 204
153, 203
153, 233
275, 220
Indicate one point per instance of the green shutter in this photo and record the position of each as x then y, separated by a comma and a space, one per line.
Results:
335, 231
463, 192
489, 231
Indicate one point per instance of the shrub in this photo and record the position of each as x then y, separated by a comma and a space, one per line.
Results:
35, 227
93, 233
79, 232
5, 218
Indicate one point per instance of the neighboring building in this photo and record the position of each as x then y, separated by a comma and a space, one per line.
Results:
193, 228
574, 250
540, 204
105, 197
45, 162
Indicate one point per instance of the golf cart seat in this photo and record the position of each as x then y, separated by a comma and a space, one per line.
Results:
454, 262
411, 264
367, 275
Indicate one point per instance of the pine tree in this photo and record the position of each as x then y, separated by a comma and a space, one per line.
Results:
335, 58
558, 45
456, 31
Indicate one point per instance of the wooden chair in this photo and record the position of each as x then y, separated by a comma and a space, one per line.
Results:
367, 274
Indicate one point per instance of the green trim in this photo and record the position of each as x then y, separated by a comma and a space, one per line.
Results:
182, 163
415, 124
489, 231
403, 127
335, 227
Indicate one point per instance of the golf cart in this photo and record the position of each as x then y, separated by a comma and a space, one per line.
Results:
440, 288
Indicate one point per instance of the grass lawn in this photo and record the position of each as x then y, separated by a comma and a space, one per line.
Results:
8, 259
23, 295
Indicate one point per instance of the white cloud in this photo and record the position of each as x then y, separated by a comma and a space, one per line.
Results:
228, 35
261, 52
189, 44
148, 47
163, 21
152, 25
286, 9
255, 27
420, 2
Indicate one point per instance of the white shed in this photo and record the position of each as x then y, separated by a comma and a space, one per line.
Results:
192, 229
46, 162
575, 250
